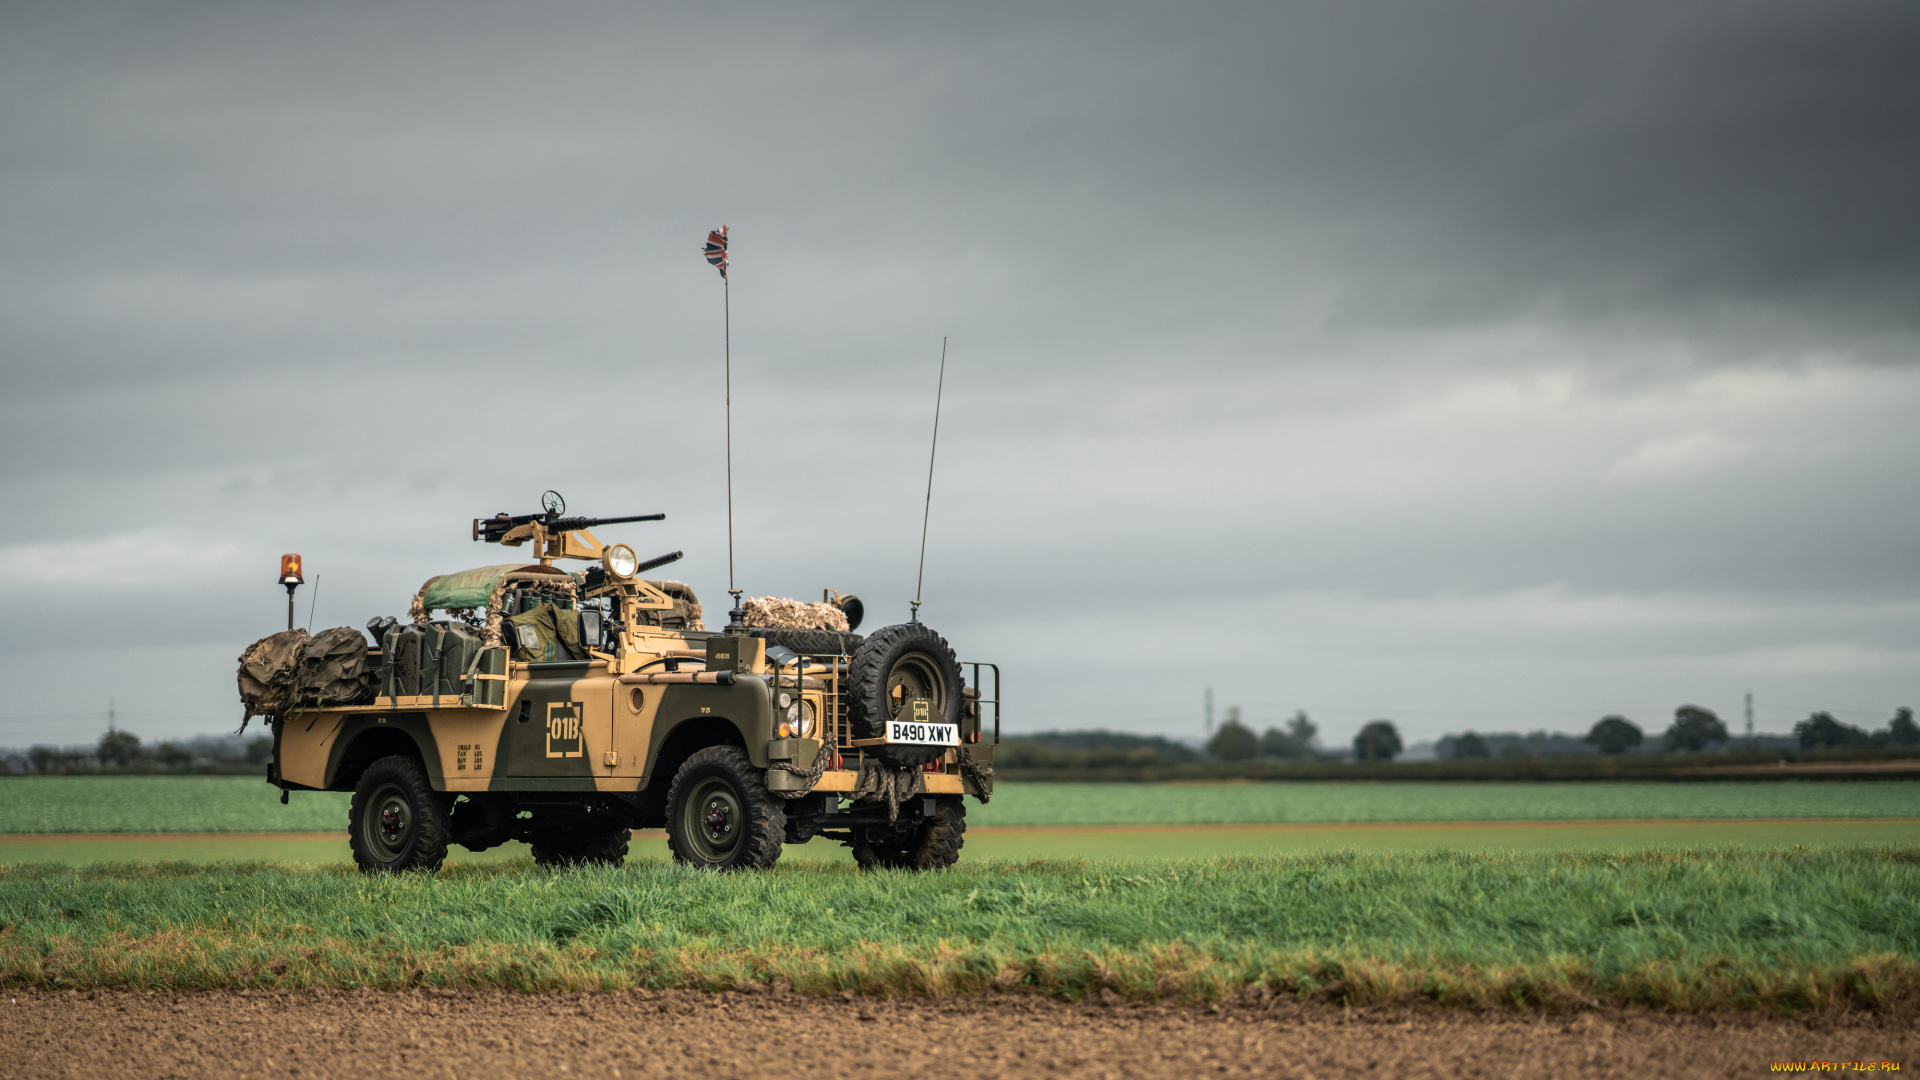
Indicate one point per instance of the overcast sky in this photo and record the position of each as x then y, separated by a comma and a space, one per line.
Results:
1477, 365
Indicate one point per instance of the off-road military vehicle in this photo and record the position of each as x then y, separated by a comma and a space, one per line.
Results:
567, 709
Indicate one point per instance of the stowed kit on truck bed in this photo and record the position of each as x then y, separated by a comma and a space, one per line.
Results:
566, 709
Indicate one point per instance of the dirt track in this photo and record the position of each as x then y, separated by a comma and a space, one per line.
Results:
363, 1034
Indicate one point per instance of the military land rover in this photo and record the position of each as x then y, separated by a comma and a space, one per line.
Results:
567, 709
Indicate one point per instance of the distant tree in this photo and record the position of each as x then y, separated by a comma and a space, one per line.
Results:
1055, 750
1304, 731
173, 755
44, 759
1277, 743
1378, 741
1901, 730
1233, 740
1615, 735
1694, 728
1470, 745
259, 751
1821, 729
119, 748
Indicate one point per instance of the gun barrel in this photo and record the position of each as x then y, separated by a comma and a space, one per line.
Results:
568, 524
659, 560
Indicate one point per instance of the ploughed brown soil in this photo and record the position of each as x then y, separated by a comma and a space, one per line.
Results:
359, 1035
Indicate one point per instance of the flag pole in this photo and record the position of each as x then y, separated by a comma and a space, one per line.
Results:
726, 307
716, 253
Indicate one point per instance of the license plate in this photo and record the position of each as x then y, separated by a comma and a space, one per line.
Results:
918, 733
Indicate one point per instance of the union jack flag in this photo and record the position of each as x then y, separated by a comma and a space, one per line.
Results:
717, 250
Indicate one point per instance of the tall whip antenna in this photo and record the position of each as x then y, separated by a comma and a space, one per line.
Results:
927, 514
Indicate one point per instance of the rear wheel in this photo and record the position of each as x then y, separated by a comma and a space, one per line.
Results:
903, 672
934, 846
590, 849
396, 820
720, 815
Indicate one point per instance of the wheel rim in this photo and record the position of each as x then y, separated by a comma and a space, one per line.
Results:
389, 824
912, 679
714, 820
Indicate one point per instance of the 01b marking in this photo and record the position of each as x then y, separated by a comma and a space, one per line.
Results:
563, 729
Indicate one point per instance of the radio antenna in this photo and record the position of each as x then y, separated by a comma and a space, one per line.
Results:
927, 514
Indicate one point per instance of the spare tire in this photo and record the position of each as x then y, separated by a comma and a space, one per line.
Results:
891, 670
811, 642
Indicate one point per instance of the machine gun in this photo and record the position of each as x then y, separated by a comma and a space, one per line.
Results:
556, 537
495, 529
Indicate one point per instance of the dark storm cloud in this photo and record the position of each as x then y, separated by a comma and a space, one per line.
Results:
1405, 163
1330, 308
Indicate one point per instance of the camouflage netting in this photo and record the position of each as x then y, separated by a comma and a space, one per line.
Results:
289, 669
483, 588
776, 613
461, 589
685, 604
543, 580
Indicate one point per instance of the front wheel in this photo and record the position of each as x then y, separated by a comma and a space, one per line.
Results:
396, 820
935, 845
720, 815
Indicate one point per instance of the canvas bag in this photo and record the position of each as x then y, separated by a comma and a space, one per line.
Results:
540, 634
268, 671
333, 668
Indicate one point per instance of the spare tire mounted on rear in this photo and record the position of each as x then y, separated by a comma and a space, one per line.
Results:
891, 670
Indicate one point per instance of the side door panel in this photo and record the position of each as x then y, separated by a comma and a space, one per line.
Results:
560, 726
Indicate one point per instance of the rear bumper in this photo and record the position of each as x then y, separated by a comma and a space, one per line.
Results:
844, 780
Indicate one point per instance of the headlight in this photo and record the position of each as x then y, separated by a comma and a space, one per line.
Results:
620, 561
798, 719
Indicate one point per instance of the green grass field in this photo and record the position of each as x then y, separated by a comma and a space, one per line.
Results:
1020, 843
1256, 803
211, 804
1708, 928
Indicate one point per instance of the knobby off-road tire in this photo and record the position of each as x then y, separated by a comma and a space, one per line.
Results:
397, 821
812, 642
720, 815
563, 850
895, 665
935, 846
